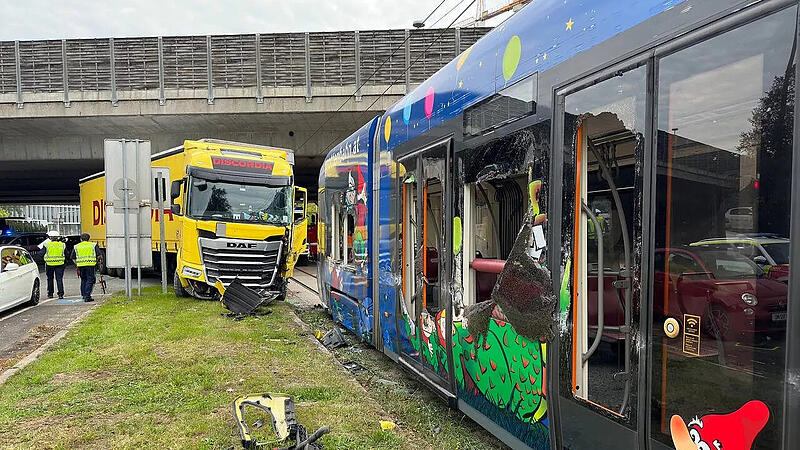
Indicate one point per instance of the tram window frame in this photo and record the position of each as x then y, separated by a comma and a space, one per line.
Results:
485, 109
673, 137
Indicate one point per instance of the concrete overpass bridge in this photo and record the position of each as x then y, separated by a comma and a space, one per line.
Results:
60, 98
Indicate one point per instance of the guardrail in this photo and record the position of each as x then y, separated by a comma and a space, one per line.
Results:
260, 65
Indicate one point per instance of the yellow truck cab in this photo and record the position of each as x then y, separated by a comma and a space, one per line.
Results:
236, 218
232, 216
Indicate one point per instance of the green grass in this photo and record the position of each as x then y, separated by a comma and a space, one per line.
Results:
162, 372
410, 403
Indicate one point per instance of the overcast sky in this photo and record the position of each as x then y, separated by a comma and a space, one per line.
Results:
57, 19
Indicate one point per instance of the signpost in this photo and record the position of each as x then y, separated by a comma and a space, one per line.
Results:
128, 227
160, 182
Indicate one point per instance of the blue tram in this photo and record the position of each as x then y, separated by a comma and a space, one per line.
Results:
579, 232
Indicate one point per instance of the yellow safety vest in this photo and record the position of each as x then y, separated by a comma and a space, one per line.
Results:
86, 254
55, 253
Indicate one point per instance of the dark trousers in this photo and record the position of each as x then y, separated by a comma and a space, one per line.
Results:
87, 281
58, 271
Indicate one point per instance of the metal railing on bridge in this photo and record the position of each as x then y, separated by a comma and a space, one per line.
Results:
257, 65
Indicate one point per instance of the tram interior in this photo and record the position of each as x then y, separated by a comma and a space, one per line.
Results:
499, 209
610, 151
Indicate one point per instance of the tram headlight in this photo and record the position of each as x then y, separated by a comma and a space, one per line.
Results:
749, 299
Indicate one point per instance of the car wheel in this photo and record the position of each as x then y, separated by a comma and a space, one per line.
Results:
718, 322
35, 293
176, 284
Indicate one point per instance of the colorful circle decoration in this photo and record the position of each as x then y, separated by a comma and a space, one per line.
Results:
463, 58
407, 110
429, 103
387, 129
511, 57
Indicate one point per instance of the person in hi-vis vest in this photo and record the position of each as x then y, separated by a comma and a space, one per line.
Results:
85, 256
55, 258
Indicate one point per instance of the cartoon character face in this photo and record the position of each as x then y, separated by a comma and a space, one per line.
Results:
428, 326
696, 433
734, 431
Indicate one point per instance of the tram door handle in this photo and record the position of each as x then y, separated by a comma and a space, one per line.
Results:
600, 282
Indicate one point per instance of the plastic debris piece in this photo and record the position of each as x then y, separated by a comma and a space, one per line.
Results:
387, 425
333, 339
354, 367
240, 299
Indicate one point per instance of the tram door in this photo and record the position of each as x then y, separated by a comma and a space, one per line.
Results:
723, 196
424, 189
604, 159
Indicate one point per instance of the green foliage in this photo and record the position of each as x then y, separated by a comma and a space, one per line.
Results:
506, 368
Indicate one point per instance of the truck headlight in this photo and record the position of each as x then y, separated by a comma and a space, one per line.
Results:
191, 272
749, 299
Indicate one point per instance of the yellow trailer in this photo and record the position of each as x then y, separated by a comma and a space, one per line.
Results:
232, 217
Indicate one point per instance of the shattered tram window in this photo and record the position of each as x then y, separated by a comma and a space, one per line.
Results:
511, 103
607, 120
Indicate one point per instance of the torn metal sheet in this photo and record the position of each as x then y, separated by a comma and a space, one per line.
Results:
239, 299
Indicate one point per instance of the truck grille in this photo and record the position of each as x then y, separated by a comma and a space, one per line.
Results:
255, 263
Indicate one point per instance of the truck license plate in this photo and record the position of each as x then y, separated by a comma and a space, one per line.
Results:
778, 317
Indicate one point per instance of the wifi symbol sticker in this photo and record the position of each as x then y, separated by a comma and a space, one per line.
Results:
691, 334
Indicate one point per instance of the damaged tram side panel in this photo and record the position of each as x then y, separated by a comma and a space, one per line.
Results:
439, 218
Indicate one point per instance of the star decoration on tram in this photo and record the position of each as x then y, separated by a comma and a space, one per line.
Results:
569, 24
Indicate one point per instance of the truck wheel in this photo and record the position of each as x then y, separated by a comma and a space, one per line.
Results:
101, 262
282, 295
179, 290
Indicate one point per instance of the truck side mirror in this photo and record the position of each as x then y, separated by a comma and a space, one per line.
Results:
176, 209
760, 260
175, 189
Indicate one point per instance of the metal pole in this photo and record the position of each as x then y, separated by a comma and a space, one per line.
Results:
138, 229
125, 231
209, 71
308, 67
18, 72
112, 63
162, 198
65, 72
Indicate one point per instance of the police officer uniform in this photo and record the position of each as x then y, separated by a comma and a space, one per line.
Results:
53, 251
85, 256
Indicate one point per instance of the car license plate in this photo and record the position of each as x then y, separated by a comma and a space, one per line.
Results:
778, 317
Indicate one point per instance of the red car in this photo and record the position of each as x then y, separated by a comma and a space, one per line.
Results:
726, 290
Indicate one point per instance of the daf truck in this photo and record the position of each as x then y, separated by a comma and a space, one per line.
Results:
231, 217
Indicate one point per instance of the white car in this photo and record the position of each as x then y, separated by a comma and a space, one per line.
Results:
19, 277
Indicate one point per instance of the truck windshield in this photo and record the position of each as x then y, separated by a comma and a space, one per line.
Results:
236, 202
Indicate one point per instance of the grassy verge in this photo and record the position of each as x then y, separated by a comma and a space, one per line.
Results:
411, 404
161, 372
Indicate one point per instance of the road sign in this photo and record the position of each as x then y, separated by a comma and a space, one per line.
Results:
128, 205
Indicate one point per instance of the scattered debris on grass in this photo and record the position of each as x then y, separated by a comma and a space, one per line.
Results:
281, 409
332, 339
241, 300
354, 367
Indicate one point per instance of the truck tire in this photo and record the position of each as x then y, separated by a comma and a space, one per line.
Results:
282, 294
101, 262
179, 290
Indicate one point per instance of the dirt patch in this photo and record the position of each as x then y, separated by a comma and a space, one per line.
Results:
83, 375
37, 336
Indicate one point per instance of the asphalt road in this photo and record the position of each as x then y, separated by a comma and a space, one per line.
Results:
24, 328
